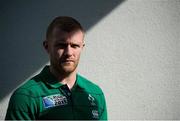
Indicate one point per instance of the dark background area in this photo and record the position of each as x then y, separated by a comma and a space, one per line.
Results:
23, 26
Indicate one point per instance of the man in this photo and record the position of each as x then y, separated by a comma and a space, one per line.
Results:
58, 91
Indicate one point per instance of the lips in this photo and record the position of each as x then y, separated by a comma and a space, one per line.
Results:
67, 60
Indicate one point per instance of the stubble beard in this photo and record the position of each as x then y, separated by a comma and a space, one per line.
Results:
64, 69
69, 67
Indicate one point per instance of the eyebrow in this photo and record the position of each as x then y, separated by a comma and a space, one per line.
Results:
61, 42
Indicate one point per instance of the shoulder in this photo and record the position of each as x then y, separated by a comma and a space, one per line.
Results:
24, 100
26, 94
30, 88
88, 85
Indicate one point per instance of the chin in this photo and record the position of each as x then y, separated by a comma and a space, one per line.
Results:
68, 70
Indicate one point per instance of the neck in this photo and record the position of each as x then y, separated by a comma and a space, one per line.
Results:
64, 78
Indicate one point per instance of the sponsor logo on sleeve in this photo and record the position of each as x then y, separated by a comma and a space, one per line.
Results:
54, 100
95, 114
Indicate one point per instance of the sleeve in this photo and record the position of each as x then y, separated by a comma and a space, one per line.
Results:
104, 112
21, 107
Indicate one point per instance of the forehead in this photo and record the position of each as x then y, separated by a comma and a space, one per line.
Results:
59, 35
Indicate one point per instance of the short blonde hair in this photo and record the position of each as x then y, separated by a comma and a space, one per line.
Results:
65, 23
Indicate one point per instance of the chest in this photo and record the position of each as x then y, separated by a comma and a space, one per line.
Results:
69, 105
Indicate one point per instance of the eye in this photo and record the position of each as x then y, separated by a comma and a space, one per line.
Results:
75, 46
61, 45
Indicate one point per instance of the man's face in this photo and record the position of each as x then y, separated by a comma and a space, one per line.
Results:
64, 50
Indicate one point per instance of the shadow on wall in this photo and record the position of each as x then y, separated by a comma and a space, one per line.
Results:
22, 29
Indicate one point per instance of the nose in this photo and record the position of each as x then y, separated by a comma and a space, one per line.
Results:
68, 50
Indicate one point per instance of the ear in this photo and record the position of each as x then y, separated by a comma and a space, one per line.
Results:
46, 46
83, 43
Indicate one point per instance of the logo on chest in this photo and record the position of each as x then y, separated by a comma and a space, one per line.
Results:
92, 100
54, 100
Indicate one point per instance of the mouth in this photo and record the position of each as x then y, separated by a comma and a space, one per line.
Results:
67, 61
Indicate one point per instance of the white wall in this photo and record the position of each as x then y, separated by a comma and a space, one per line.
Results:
133, 54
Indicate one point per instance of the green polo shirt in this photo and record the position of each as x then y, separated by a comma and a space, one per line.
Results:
43, 97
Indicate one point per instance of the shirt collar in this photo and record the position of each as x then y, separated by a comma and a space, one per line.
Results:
79, 82
52, 81
49, 78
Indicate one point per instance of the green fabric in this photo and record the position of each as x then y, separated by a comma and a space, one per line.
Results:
43, 97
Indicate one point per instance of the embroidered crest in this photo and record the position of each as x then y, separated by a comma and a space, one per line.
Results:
91, 99
54, 100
